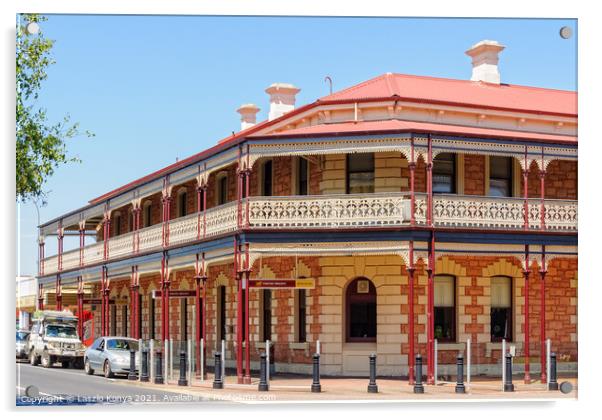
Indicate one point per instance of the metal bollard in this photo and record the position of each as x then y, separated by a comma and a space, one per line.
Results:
182, 381
144, 369
508, 385
460, 389
263, 383
132, 372
158, 368
372, 387
218, 382
315, 385
418, 387
553, 384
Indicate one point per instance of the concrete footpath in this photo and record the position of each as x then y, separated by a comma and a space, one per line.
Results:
298, 390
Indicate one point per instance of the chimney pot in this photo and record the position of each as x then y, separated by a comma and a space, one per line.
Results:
248, 115
485, 60
282, 99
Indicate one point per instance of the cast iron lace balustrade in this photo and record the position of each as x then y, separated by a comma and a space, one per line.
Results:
331, 212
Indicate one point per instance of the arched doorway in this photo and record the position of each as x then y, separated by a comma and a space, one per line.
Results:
360, 311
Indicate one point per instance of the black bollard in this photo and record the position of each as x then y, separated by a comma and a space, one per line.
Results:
144, 372
553, 384
218, 382
182, 380
158, 369
132, 372
315, 385
418, 387
460, 389
508, 385
263, 383
372, 387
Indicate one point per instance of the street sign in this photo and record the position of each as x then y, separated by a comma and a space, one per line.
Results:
282, 283
173, 294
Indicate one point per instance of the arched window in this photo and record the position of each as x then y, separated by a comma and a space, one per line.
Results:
360, 311
501, 308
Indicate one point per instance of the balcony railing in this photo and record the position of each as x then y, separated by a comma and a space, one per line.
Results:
333, 212
328, 211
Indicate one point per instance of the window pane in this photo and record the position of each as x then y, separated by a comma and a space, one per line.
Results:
501, 323
444, 324
499, 187
499, 167
444, 173
360, 173
501, 295
267, 178
360, 162
223, 190
444, 291
363, 320
303, 177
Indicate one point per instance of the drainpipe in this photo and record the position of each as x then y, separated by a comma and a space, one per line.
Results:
542, 314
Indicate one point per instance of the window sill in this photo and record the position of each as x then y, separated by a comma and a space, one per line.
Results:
497, 345
261, 344
451, 346
299, 346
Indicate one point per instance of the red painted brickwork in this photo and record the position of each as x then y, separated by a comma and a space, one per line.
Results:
474, 174
561, 310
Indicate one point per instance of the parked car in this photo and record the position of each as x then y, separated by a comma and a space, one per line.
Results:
54, 338
22, 344
111, 356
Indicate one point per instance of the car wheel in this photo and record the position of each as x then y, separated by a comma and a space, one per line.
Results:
33, 359
107, 370
45, 359
78, 363
88, 368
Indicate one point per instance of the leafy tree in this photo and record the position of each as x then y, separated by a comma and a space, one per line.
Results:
41, 146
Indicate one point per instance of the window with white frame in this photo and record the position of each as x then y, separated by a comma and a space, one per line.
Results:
501, 308
445, 308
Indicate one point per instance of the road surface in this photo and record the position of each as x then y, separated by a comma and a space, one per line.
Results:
58, 386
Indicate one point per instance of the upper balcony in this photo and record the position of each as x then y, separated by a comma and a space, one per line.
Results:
334, 211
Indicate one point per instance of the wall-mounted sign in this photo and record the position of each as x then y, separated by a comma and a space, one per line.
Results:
175, 294
363, 286
98, 301
282, 283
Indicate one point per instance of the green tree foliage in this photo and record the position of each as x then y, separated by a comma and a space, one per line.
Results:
41, 146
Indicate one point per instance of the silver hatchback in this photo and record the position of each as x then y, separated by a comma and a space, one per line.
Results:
111, 356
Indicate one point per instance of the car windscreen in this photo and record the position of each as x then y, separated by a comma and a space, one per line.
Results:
121, 344
22, 335
61, 331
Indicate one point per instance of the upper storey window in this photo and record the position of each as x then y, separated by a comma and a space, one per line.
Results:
360, 173
222, 189
500, 176
267, 178
302, 177
444, 174
182, 198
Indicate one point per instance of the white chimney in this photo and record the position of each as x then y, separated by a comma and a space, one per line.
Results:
248, 115
484, 61
282, 99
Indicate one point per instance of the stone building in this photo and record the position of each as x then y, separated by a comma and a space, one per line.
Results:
404, 215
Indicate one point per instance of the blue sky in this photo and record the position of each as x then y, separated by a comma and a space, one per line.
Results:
157, 88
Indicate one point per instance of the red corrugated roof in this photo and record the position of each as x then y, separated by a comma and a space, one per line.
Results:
462, 92
392, 126
404, 87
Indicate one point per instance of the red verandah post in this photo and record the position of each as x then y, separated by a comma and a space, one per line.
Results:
247, 274
410, 269
431, 267
542, 314
526, 274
